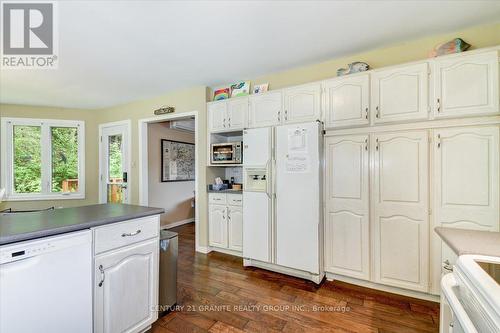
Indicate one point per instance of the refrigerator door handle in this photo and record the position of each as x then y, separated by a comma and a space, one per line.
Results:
268, 179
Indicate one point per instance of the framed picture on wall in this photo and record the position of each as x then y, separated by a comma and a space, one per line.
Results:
177, 161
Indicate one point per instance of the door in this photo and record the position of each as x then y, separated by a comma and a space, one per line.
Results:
400, 209
217, 116
257, 218
257, 143
118, 307
347, 238
302, 103
466, 85
237, 110
235, 228
347, 100
400, 94
114, 162
265, 109
467, 181
298, 196
217, 225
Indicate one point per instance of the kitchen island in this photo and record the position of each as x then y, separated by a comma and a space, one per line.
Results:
98, 265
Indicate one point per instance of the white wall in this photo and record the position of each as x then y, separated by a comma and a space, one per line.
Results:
175, 197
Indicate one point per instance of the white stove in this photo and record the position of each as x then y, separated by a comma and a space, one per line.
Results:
470, 297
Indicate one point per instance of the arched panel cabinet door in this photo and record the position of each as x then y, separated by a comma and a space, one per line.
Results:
400, 209
466, 85
347, 239
346, 101
266, 109
400, 93
217, 114
302, 103
217, 225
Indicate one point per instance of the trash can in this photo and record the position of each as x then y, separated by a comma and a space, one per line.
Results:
168, 270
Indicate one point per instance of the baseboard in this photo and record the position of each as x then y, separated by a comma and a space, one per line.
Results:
389, 289
316, 278
176, 224
203, 249
226, 251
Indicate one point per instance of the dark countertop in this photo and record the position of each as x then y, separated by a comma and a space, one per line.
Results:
463, 241
24, 226
226, 191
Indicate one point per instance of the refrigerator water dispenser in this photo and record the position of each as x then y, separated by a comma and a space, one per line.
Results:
256, 180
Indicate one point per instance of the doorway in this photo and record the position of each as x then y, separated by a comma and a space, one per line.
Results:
147, 173
114, 162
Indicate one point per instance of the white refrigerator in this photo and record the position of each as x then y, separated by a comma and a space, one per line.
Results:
282, 195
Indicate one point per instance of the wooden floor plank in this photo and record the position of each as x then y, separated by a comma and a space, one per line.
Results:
217, 294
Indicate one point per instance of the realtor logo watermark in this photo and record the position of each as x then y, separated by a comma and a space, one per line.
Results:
29, 35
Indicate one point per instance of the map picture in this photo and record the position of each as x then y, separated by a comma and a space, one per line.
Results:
177, 161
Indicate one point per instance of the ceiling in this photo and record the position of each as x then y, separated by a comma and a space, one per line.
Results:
113, 52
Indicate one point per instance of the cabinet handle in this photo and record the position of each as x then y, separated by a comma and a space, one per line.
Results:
286, 114
128, 234
439, 141
224, 122
447, 266
376, 146
366, 113
101, 269
438, 105
366, 144
229, 215
279, 116
378, 112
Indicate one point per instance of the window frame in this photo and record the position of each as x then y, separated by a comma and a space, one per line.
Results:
7, 159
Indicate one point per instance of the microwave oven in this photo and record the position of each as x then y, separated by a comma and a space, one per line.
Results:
227, 153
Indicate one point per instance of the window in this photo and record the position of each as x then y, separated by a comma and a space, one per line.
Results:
42, 159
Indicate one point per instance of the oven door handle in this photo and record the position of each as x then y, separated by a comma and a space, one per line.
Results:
448, 282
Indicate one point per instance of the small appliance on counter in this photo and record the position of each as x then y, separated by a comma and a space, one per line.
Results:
227, 153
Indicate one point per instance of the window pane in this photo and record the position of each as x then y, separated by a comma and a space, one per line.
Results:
64, 159
27, 159
115, 169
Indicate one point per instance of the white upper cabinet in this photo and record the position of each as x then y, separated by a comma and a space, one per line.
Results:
302, 103
346, 101
400, 209
217, 116
237, 111
466, 85
347, 239
400, 94
265, 109
466, 170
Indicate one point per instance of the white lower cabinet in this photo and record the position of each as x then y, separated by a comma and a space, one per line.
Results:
225, 221
347, 244
400, 209
126, 283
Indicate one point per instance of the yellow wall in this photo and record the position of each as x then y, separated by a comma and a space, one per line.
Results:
91, 148
194, 99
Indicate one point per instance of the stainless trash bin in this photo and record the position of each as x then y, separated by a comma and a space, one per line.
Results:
168, 270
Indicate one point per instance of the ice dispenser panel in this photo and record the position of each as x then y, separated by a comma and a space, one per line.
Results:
256, 180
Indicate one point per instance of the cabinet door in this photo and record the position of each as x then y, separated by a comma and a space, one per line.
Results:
217, 116
237, 111
347, 239
126, 288
265, 109
467, 180
346, 101
466, 85
302, 103
217, 225
400, 203
235, 227
401, 94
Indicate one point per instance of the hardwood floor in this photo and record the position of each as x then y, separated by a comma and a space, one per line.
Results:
217, 294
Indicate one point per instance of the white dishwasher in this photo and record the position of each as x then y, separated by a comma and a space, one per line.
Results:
46, 285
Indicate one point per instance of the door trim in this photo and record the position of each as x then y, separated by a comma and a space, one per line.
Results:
128, 126
143, 165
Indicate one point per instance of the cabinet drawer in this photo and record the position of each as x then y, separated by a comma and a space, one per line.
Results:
235, 199
124, 233
217, 198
